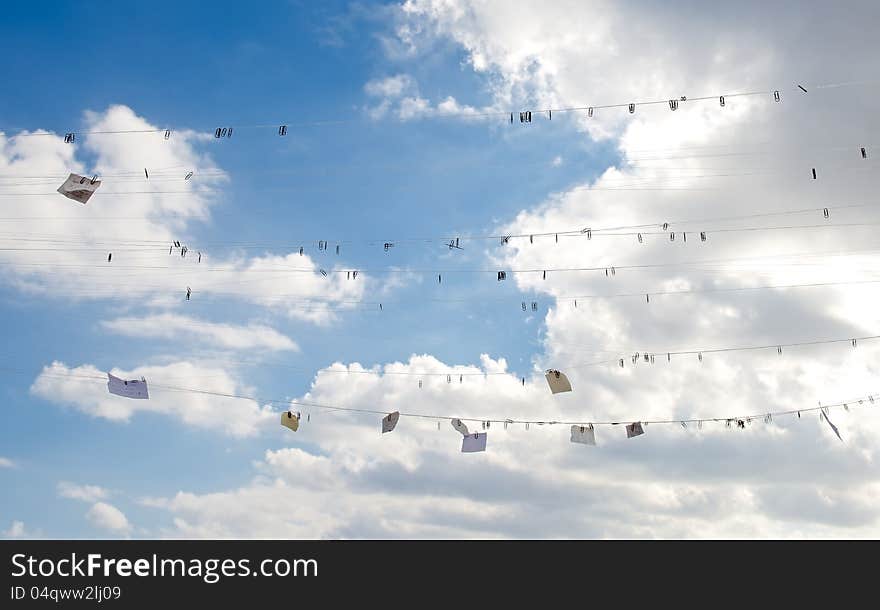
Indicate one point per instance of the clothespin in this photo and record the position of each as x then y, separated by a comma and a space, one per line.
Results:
527, 425
620, 363
461, 379
380, 306
647, 298
170, 248
557, 238
420, 383
683, 98
683, 424
449, 379
511, 118
590, 112
523, 305
700, 356
534, 306
167, 134
853, 342
646, 357
529, 119
109, 256
632, 108
69, 137
702, 236
802, 88
439, 278
673, 105
502, 275
388, 245
337, 249
524, 381
613, 272
814, 173
721, 101
550, 114
348, 275
200, 257
531, 239
700, 424
575, 303
300, 250
864, 153
779, 349
188, 292
672, 236
640, 238
588, 232
146, 174
776, 96
324, 273
188, 176
282, 130
544, 275
825, 212
438, 425
684, 236
668, 357
94, 179
505, 240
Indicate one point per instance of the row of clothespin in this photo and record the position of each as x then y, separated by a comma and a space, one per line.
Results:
182, 248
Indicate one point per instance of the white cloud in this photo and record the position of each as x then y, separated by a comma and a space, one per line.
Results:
400, 93
108, 517
6, 463
18, 530
85, 388
229, 336
86, 493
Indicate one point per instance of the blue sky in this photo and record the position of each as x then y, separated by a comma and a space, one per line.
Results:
379, 174
182, 65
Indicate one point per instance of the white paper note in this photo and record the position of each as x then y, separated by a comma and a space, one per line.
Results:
459, 425
389, 421
583, 434
634, 429
290, 420
472, 443
132, 388
79, 188
558, 381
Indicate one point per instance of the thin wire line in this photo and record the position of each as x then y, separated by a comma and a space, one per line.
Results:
315, 405
436, 114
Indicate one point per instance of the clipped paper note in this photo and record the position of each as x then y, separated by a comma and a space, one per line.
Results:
459, 425
79, 188
389, 421
472, 443
634, 429
558, 382
290, 420
833, 427
133, 388
585, 435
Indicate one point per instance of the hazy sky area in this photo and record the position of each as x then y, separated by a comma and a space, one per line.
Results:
398, 132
